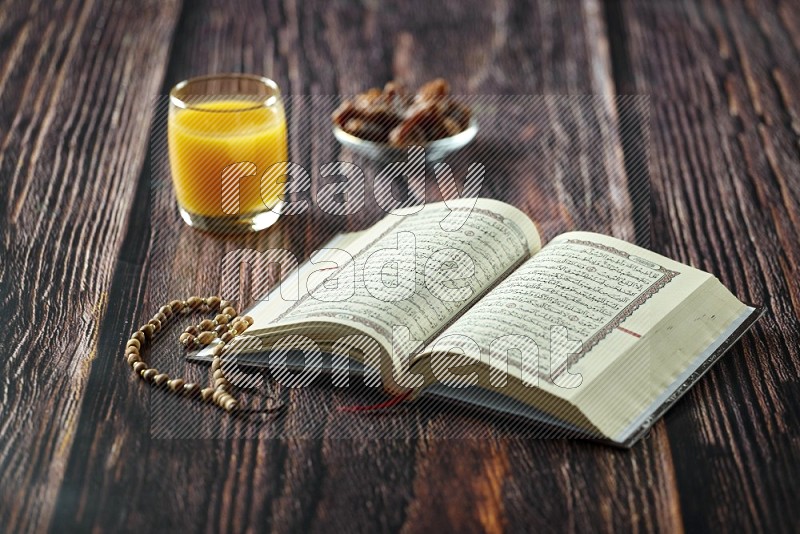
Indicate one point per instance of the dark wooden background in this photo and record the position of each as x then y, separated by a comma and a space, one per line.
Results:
87, 254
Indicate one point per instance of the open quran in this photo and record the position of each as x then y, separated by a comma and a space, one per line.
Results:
462, 300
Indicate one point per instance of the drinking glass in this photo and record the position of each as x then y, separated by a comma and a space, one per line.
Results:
224, 132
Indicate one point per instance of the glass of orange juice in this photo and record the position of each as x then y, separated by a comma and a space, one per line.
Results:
225, 131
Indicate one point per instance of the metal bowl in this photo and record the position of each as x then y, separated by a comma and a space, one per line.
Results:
434, 150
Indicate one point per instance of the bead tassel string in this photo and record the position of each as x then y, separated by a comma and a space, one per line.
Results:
225, 326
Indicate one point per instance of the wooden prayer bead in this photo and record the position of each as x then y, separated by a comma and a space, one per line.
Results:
221, 383
222, 318
160, 378
139, 336
138, 367
206, 325
206, 337
175, 384
229, 311
149, 374
194, 302
240, 326
206, 393
133, 342
213, 302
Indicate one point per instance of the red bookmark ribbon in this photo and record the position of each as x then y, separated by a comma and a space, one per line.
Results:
394, 401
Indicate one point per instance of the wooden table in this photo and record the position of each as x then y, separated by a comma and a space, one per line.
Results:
86, 256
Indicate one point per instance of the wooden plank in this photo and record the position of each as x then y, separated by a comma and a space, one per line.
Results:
76, 80
115, 478
725, 168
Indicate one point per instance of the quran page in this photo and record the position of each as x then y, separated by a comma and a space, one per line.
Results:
592, 320
414, 270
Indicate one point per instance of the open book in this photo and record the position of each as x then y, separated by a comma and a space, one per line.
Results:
461, 300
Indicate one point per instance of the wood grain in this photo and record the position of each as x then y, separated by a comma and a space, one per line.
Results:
301, 483
725, 166
91, 241
73, 128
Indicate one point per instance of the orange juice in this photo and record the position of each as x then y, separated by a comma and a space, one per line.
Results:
207, 137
